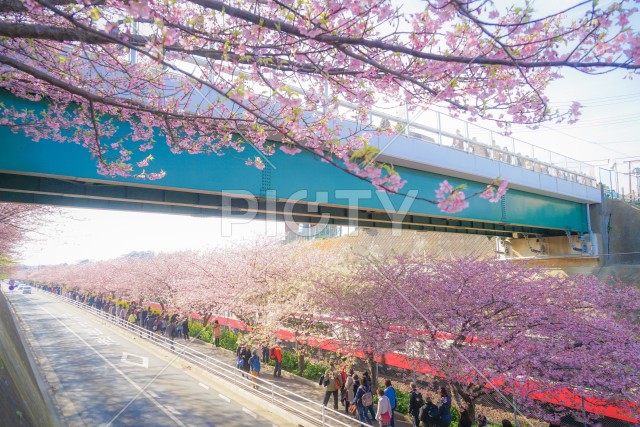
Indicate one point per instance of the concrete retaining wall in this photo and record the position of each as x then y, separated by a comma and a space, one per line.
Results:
620, 223
29, 403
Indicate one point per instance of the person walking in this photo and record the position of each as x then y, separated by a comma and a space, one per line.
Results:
185, 328
239, 357
332, 383
343, 390
384, 409
132, 319
265, 352
444, 410
415, 403
163, 325
364, 401
254, 365
349, 391
390, 392
277, 355
170, 332
429, 413
246, 355
217, 332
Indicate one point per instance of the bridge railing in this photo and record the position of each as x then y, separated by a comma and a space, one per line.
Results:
438, 128
269, 392
435, 127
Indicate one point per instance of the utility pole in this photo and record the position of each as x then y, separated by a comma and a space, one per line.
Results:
630, 190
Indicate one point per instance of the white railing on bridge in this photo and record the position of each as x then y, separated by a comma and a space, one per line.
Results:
439, 128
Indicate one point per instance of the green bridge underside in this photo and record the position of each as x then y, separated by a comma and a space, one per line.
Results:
299, 188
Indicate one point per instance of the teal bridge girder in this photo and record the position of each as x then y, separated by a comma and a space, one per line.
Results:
299, 188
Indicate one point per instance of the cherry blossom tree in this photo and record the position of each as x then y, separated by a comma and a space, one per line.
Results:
211, 76
17, 223
487, 326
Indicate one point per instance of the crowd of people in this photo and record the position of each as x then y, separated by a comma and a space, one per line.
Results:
249, 361
356, 395
170, 325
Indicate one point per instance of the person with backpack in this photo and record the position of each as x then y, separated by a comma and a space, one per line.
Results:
429, 414
415, 403
364, 401
332, 383
254, 368
277, 356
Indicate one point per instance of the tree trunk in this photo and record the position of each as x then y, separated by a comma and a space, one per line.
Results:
205, 319
371, 363
464, 400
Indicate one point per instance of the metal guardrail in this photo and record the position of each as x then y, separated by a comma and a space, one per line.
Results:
293, 403
438, 128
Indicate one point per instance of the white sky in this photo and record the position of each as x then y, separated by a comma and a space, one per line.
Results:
79, 234
608, 135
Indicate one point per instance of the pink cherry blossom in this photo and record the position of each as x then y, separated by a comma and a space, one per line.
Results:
207, 77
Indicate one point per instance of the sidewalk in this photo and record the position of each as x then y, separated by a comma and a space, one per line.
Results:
298, 385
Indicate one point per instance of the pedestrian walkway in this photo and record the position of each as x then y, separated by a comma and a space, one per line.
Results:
294, 383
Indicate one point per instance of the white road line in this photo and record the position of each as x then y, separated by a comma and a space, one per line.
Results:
225, 398
173, 410
204, 386
115, 368
246, 411
143, 361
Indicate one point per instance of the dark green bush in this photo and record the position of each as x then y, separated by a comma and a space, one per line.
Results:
195, 328
289, 362
402, 402
228, 340
312, 372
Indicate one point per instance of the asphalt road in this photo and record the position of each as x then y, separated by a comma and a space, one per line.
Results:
100, 378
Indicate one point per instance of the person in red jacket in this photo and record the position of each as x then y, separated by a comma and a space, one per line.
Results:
277, 355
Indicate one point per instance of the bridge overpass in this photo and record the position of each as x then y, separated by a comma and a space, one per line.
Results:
545, 199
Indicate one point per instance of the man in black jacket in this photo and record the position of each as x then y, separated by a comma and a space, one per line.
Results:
415, 403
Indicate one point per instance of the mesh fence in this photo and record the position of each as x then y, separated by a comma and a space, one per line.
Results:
495, 406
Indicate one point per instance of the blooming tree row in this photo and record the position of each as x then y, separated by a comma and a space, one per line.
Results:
211, 76
482, 325
495, 325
